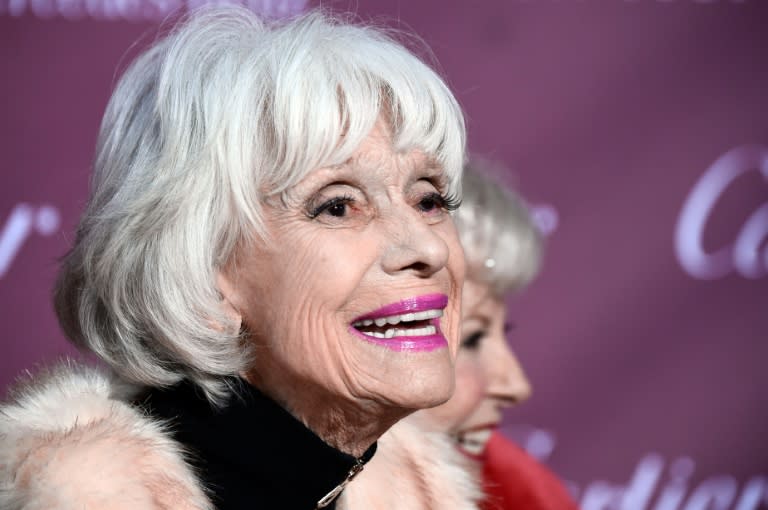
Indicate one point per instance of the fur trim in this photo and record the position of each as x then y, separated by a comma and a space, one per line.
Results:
70, 441
413, 469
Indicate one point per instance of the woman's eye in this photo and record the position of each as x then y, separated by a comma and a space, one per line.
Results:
472, 341
433, 201
336, 207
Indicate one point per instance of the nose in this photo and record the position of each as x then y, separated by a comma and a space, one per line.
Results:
507, 380
413, 245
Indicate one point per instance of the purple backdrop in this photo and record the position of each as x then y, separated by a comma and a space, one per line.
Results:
638, 131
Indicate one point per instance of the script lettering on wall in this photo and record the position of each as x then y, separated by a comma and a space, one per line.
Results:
24, 221
133, 10
545, 217
655, 484
747, 254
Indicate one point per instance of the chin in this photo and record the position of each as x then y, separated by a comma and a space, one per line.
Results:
426, 387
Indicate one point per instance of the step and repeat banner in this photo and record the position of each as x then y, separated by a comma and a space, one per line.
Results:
636, 129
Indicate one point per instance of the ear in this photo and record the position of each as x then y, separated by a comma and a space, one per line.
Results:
228, 299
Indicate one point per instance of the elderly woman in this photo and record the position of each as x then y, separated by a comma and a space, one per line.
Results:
503, 252
266, 264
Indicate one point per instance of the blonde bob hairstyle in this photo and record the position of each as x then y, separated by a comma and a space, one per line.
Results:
502, 246
221, 114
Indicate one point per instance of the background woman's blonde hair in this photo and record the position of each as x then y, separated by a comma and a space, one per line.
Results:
502, 246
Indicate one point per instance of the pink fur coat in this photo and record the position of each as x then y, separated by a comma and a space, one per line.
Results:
70, 441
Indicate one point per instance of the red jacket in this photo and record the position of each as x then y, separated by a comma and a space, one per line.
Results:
514, 480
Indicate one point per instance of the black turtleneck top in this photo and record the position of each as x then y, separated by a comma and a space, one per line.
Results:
252, 454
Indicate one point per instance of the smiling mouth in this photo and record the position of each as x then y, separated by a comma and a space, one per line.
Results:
473, 442
407, 325
412, 324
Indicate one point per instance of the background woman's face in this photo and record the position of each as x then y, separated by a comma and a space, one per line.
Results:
366, 240
488, 376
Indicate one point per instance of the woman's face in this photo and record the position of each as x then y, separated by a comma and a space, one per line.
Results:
488, 376
354, 300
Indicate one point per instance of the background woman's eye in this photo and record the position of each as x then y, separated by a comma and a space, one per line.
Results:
472, 341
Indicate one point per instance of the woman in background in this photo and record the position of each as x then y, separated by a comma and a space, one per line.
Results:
503, 253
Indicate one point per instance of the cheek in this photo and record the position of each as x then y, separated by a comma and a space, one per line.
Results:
319, 282
319, 271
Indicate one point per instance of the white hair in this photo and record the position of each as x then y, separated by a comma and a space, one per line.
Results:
225, 111
502, 246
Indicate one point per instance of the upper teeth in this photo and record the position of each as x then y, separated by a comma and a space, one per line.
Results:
396, 319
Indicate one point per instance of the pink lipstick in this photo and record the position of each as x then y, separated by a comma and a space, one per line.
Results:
412, 324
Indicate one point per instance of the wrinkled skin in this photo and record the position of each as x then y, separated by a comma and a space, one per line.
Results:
489, 377
385, 240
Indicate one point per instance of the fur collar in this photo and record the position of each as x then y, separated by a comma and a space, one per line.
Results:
413, 469
69, 440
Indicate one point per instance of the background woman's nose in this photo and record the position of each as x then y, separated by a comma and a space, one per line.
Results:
507, 379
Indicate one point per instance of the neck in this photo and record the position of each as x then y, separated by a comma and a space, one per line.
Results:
349, 426
350, 429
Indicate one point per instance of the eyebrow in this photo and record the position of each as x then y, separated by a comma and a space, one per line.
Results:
484, 321
430, 162
358, 164
434, 170
294, 195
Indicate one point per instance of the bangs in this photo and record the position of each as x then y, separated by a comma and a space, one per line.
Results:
330, 97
